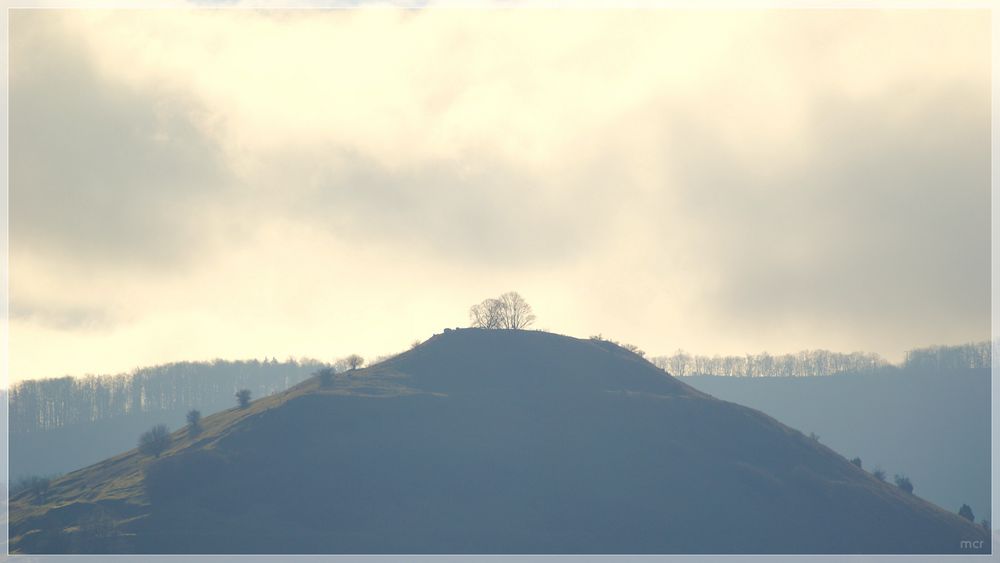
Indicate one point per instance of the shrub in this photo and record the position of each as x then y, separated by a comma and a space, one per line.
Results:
634, 349
879, 474
325, 376
194, 422
154, 441
966, 512
243, 398
856, 461
903, 482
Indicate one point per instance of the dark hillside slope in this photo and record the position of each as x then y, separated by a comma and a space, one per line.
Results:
931, 425
488, 442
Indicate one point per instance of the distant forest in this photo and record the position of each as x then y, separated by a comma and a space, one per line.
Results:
45, 404
969, 356
812, 363
55, 403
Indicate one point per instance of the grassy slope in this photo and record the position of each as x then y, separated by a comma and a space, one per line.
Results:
933, 426
494, 442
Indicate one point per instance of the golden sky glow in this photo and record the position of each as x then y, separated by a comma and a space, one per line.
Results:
192, 184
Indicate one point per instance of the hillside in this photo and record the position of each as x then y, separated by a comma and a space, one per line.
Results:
931, 424
487, 442
57, 425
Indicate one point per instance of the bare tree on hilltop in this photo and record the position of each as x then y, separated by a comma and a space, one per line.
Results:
509, 311
487, 314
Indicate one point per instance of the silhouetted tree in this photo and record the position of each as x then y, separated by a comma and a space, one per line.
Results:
879, 474
325, 376
903, 482
355, 361
194, 422
517, 313
488, 314
814, 436
856, 461
966, 512
154, 441
509, 311
243, 398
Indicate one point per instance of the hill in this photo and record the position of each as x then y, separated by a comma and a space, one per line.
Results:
488, 441
930, 423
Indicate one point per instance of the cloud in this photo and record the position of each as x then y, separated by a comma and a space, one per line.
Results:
880, 231
477, 210
102, 173
61, 319
199, 180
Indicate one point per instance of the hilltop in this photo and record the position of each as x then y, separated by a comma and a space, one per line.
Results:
487, 441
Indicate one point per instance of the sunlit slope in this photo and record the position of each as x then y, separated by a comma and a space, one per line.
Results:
488, 442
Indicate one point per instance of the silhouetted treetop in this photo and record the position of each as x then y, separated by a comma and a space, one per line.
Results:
509, 311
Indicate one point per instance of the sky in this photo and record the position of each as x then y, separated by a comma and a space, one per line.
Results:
198, 184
